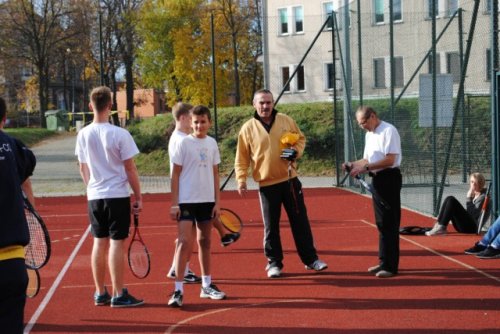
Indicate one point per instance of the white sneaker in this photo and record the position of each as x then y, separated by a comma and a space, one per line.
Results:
438, 229
317, 265
273, 272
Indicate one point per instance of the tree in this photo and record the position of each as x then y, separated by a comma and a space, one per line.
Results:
32, 30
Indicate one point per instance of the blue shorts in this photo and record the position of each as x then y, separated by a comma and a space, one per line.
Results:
196, 212
110, 217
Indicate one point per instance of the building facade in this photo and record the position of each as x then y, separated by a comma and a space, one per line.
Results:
363, 51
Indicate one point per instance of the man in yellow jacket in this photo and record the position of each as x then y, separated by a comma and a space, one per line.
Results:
269, 144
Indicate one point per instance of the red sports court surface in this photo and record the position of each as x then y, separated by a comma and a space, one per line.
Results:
439, 289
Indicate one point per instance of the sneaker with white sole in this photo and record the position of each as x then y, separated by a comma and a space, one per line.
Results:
212, 292
317, 265
125, 300
476, 249
489, 253
104, 299
176, 299
189, 278
273, 272
229, 238
438, 229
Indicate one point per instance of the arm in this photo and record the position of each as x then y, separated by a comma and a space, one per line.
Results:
362, 165
174, 209
216, 209
28, 191
84, 172
242, 163
133, 180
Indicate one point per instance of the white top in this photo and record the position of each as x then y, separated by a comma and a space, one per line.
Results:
197, 158
382, 141
173, 145
104, 147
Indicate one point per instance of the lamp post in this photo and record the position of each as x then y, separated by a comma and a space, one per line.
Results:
101, 56
73, 74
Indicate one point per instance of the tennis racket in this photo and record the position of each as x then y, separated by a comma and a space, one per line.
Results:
138, 255
484, 210
33, 283
231, 221
227, 180
370, 189
37, 252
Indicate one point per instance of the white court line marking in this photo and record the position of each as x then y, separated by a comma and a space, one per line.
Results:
68, 215
449, 258
172, 328
57, 281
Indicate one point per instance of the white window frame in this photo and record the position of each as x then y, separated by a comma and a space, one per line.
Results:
293, 85
326, 13
291, 20
382, 84
327, 75
455, 71
281, 24
387, 72
385, 13
444, 8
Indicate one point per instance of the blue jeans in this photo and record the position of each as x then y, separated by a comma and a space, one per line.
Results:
492, 237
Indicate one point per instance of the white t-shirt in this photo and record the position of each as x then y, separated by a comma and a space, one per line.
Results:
382, 141
104, 147
173, 145
197, 158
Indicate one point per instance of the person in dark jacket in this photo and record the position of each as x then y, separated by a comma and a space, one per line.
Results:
16, 166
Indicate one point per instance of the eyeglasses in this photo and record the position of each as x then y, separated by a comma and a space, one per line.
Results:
365, 120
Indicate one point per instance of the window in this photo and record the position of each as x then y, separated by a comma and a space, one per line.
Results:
399, 78
327, 11
430, 8
283, 17
379, 11
298, 15
285, 75
381, 8
298, 81
295, 25
438, 64
328, 80
379, 72
453, 65
451, 7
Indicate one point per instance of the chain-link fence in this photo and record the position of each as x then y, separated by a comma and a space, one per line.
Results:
390, 67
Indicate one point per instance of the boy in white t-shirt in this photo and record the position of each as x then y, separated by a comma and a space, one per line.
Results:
180, 112
195, 202
106, 157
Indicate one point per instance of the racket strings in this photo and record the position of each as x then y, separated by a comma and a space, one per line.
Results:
138, 258
36, 251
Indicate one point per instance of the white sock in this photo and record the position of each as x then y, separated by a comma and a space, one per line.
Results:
179, 286
186, 271
206, 281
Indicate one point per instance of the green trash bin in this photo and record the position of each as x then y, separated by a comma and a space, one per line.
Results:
57, 120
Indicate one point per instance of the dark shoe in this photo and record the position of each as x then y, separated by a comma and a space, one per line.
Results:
229, 239
489, 253
476, 249
176, 299
375, 269
104, 299
125, 300
189, 278
384, 274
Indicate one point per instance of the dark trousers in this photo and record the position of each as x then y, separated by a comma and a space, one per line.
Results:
13, 283
388, 185
271, 199
453, 210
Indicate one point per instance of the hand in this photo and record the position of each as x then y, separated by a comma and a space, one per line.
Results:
136, 207
174, 212
242, 188
289, 154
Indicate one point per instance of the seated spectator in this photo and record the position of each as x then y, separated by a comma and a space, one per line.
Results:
463, 220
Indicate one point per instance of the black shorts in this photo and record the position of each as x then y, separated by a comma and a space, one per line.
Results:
110, 217
196, 212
